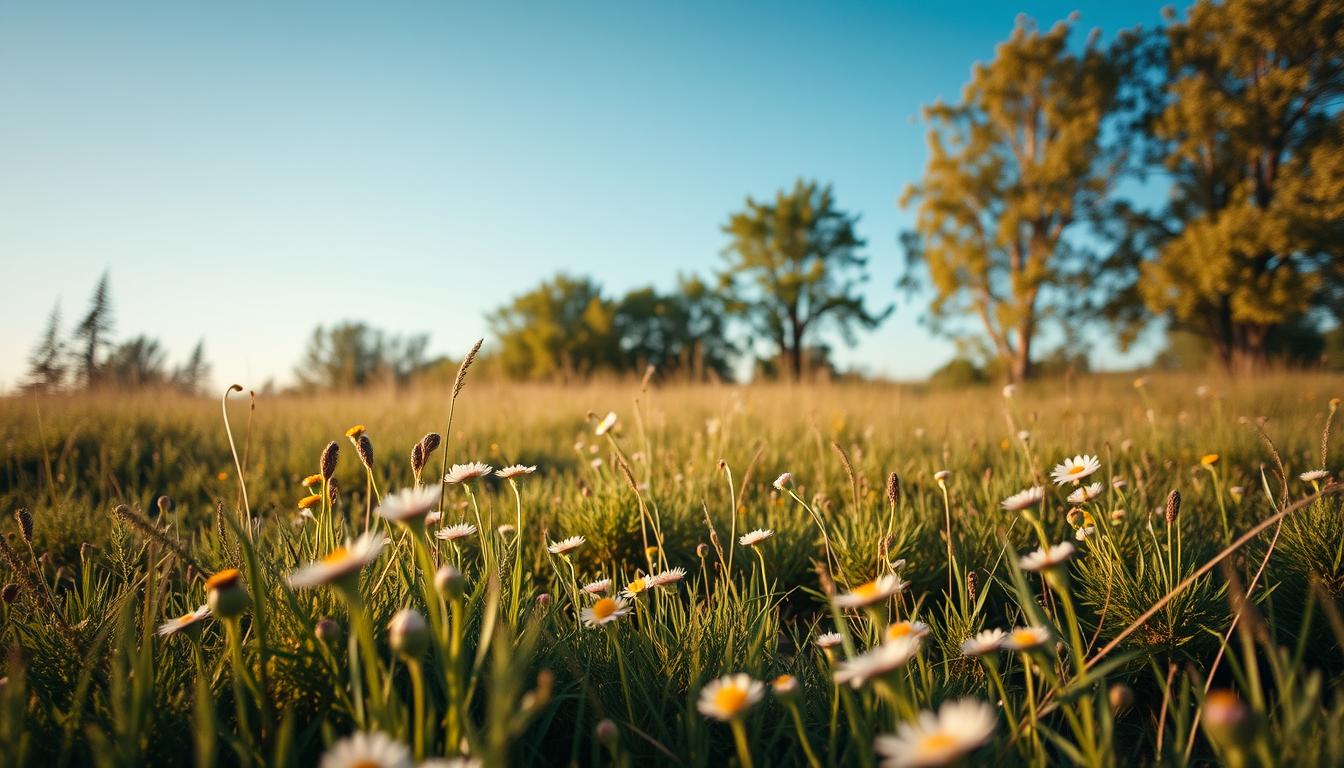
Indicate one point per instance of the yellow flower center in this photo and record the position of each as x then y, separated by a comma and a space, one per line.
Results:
186, 618
636, 586
336, 555
1024, 637
899, 629
604, 608
1077, 469
866, 591
225, 578
784, 680
729, 699
938, 741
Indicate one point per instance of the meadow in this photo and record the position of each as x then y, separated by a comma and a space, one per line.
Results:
825, 575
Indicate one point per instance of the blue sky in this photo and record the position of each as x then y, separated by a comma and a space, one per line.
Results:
248, 171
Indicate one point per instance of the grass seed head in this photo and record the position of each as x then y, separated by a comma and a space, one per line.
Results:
327, 463
25, 520
1173, 506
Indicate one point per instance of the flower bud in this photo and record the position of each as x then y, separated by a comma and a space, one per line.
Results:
785, 686
1173, 509
408, 634
165, 504
702, 550
328, 631
607, 733
25, 520
1227, 719
327, 463
894, 488
449, 581
225, 594
544, 600
1121, 697
364, 448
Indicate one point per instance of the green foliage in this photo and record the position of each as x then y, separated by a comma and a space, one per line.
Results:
352, 355
794, 268
1249, 129
1013, 170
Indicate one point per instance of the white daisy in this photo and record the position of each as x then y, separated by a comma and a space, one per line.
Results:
1024, 499
1044, 559
461, 473
408, 504
782, 482
367, 750
515, 470
1075, 469
1085, 493
455, 532
1024, 435
906, 629
599, 587
959, 728
987, 641
942, 475
877, 662
755, 537
1084, 532
828, 640
670, 576
871, 592
1313, 476
565, 545
604, 426
184, 621
1025, 638
729, 697
604, 611
340, 563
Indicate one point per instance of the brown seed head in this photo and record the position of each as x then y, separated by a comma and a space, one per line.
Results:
164, 503
1173, 506
894, 488
327, 464
417, 458
364, 447
25, 520
10, 593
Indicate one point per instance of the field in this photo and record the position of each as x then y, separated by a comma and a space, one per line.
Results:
1182, 629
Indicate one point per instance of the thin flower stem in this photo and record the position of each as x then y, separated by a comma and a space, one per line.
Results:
740, 739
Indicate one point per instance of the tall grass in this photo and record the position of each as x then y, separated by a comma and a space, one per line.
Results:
1211, 633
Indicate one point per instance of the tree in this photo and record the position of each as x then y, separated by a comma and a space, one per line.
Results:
563, 328
46, 364
793, 268
352, 355
138, 362
679, 333
191, 376
1250, 131
1015, 168
93, 332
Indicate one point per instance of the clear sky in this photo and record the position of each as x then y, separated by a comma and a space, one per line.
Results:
247, 171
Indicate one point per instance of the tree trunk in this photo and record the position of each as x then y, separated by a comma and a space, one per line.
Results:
796, 360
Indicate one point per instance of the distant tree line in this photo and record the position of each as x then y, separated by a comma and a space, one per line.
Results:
91, 358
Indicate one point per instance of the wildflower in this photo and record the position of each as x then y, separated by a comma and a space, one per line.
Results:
871, 592
877, 662
894, 488
784, 686
729, 697
941, 475
1121, 698
408, 634
1026, 639
327, 631
599, 587
1008, 391
342, 565
635, 587
596, 463
1313, 476
565, 545
906, 629
1236, 492
188, 621
1119, 483
1024, 499
372, 749
506, 529
311, 480
604, 426
1045, 559
461, 473
1084, 532
355, 432
604, 611
982, 643
1075, 469
409, 505
1173, 509
364, 449
1085, 493
1208, 459
508, 473
670, 576
455, 532
449, 580
1227, 718
755, 537
310, 501
225, 595
828, 640
327, 463
782, 482
1140, 383
959, 728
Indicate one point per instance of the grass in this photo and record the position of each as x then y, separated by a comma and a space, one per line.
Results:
1214, 636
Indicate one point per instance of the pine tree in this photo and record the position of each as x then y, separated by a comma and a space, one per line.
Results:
46, 365
94, 332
